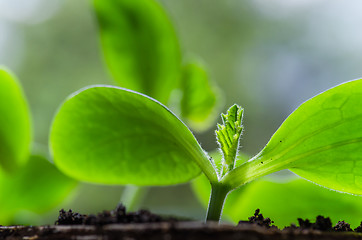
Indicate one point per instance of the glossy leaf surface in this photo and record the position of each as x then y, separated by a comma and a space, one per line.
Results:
140, 46
36, 187
321, 141
200, 100
15, 130
111, 135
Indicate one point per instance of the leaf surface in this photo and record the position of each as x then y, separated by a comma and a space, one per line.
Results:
321, 141
110, 135
15, 129
140, 46
200, 100
36, 187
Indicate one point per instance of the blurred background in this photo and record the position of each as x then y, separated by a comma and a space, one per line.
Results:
267, 56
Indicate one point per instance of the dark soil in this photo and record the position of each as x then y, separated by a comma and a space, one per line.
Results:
259, 220
118, 224
117, 215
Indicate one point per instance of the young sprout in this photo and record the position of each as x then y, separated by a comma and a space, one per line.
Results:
112, 135
228, 135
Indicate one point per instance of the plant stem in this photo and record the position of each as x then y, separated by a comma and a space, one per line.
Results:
132, 195
216, 203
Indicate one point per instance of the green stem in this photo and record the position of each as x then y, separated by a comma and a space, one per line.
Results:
132, 196
216, 203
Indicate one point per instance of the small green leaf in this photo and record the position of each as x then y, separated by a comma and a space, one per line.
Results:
110, 135
200, 99
321, 141
15, 129
228, 135
140, 46
36, 187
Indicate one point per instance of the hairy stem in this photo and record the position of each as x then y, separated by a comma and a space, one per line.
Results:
216, 203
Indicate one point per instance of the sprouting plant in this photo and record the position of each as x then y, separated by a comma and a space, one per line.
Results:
228, 135
28, 181
111, 135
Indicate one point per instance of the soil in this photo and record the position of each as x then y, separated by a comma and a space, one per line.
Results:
118, 215
118, 224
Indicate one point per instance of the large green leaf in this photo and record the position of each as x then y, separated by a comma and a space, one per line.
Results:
200, 99
321, 141
285, 202
111, 135
36, 187
140, 46
15, 130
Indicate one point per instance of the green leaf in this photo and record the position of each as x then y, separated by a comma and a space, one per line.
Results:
15, 129
36, 187
110, 135
200, 100
140, 46
321, 141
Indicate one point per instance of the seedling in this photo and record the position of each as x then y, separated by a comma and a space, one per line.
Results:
283, 197
111, 135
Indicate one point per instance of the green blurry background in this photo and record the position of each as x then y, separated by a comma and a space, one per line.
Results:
267, 56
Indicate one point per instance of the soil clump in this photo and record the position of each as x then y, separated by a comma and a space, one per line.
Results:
118, 215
